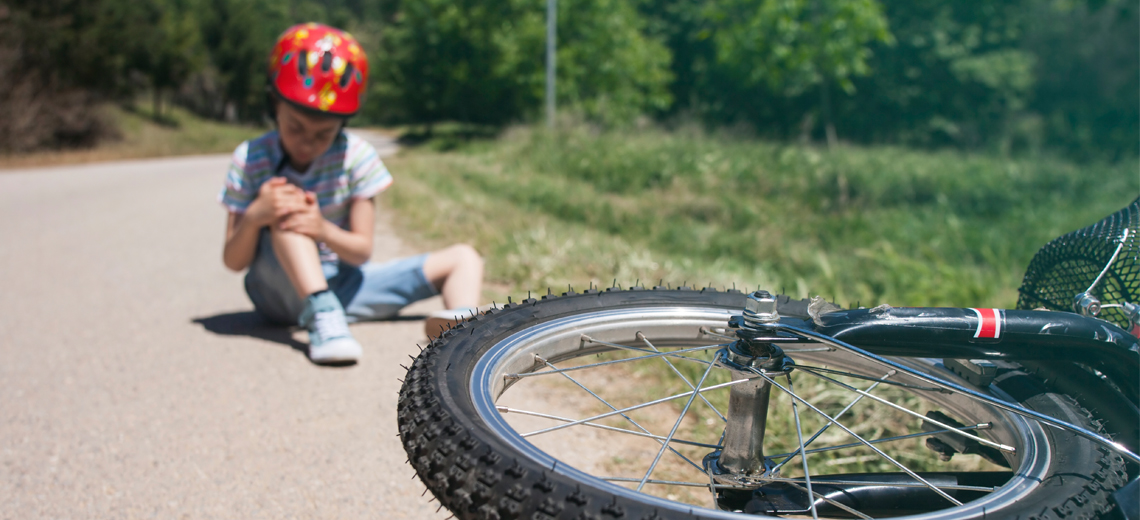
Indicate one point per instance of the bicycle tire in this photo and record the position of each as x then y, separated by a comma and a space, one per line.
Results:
478, 472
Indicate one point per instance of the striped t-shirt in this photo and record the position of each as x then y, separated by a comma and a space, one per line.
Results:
349, 170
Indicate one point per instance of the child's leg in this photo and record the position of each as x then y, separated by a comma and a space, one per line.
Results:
329, 338
301, 261
457, 273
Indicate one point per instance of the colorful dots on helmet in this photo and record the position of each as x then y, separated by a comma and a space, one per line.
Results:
286, 58
327, 97
308, 82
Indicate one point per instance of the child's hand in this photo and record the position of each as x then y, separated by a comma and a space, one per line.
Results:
307, 220
276, 199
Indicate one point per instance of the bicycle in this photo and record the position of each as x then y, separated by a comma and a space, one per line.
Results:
979, 413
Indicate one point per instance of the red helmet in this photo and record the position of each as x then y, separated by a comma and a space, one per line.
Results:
319, 68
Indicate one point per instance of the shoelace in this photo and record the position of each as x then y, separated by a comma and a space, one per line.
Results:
329, 325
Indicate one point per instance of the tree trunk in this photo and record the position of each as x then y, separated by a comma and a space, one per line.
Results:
828, 124
157, 105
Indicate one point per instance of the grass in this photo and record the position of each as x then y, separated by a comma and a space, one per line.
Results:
856, 225
180, 133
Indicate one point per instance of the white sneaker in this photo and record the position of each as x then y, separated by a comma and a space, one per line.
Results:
439, 321
329, 339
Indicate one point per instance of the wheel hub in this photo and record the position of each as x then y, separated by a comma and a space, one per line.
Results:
742, 458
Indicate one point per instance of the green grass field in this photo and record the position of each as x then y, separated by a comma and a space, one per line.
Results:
857, 225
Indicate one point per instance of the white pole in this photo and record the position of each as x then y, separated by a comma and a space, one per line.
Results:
551, 34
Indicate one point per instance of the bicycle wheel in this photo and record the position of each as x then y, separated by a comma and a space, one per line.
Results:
610, 448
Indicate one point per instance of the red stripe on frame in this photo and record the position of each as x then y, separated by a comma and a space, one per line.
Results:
989, 324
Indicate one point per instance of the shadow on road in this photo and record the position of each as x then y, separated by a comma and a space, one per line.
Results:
250, 323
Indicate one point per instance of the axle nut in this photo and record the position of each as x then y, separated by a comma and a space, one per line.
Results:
760, 307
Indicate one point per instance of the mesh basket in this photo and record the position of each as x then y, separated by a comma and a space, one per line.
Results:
1067, 266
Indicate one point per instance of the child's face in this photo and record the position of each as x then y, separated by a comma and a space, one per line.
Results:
305, 137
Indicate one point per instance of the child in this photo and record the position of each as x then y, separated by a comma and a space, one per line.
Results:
301, 213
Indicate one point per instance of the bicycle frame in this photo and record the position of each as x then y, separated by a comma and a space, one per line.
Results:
996, 334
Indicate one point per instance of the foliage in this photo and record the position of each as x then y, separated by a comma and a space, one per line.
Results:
791, 45
1000, 76
1085, 99
481, 61
956, 75
869, 225
996, 75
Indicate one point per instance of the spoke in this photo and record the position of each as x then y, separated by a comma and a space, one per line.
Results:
858, 438
638, 406
775, 339
796, 482
710, 332
829, 501
677, 424
828, 425
671, 483
826, 480
712, 482
870, 378
981, 426
586, 338
603, 363
682, 376
800, 437
612, 407
903, 409
1009, 407
505, 409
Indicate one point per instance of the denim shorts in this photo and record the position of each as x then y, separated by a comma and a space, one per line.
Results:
369, 292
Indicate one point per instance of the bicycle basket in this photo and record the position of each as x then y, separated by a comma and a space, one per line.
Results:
1070, 263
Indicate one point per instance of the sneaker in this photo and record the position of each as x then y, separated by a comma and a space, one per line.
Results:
329, 339
439, 321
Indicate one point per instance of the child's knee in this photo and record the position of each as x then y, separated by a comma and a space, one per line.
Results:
466, 255
470, 252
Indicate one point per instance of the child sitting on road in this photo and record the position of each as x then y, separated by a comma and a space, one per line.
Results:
301, 213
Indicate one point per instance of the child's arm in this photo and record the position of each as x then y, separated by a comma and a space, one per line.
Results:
275, 200
353, 246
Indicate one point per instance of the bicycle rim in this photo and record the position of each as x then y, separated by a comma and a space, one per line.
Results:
510, 364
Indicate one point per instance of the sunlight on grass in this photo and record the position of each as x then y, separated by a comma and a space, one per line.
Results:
857, 225
181, 133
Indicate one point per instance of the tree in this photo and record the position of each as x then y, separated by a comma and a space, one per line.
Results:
60, 59
955, 76
1088, 76
790, 46
174, 51
481, 61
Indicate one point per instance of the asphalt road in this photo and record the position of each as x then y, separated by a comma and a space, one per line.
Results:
136, 382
